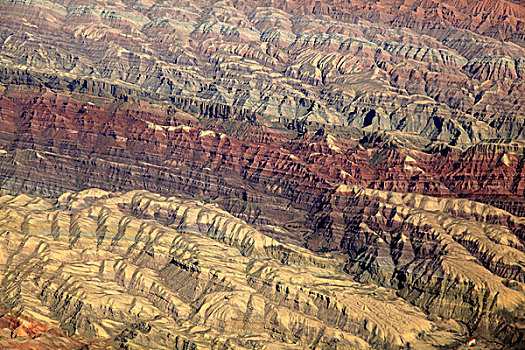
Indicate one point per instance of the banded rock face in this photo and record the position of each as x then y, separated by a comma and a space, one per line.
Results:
272, 190
450, 71
53, 142
327, 174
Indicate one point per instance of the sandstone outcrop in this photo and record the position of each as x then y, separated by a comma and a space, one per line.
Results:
138, 269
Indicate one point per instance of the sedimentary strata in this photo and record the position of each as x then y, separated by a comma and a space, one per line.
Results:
138, 269
253, 174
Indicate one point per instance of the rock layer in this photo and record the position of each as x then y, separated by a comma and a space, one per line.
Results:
138, 269
450, 71
327, 174
318, 190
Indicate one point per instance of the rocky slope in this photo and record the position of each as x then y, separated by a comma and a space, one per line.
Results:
450, 71
54, 141
256, 174
316, 190
138, 270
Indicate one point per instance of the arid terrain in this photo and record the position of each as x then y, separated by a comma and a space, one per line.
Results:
262, 174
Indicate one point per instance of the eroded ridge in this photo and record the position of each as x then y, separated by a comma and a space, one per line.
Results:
140, 270
447, 70
453, 257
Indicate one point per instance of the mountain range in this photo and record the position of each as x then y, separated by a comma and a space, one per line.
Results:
284, 174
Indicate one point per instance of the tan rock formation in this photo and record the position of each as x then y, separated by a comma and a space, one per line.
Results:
140, 270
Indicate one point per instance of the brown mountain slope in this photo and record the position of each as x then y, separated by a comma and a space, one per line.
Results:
299, 191
437, 69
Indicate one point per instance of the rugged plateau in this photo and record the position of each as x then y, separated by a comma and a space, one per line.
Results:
283, 174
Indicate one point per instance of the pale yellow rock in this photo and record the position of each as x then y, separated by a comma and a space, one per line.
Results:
189, 269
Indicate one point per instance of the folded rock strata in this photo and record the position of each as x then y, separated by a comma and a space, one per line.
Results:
138, 269
320, 174
450, 71
319, 190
